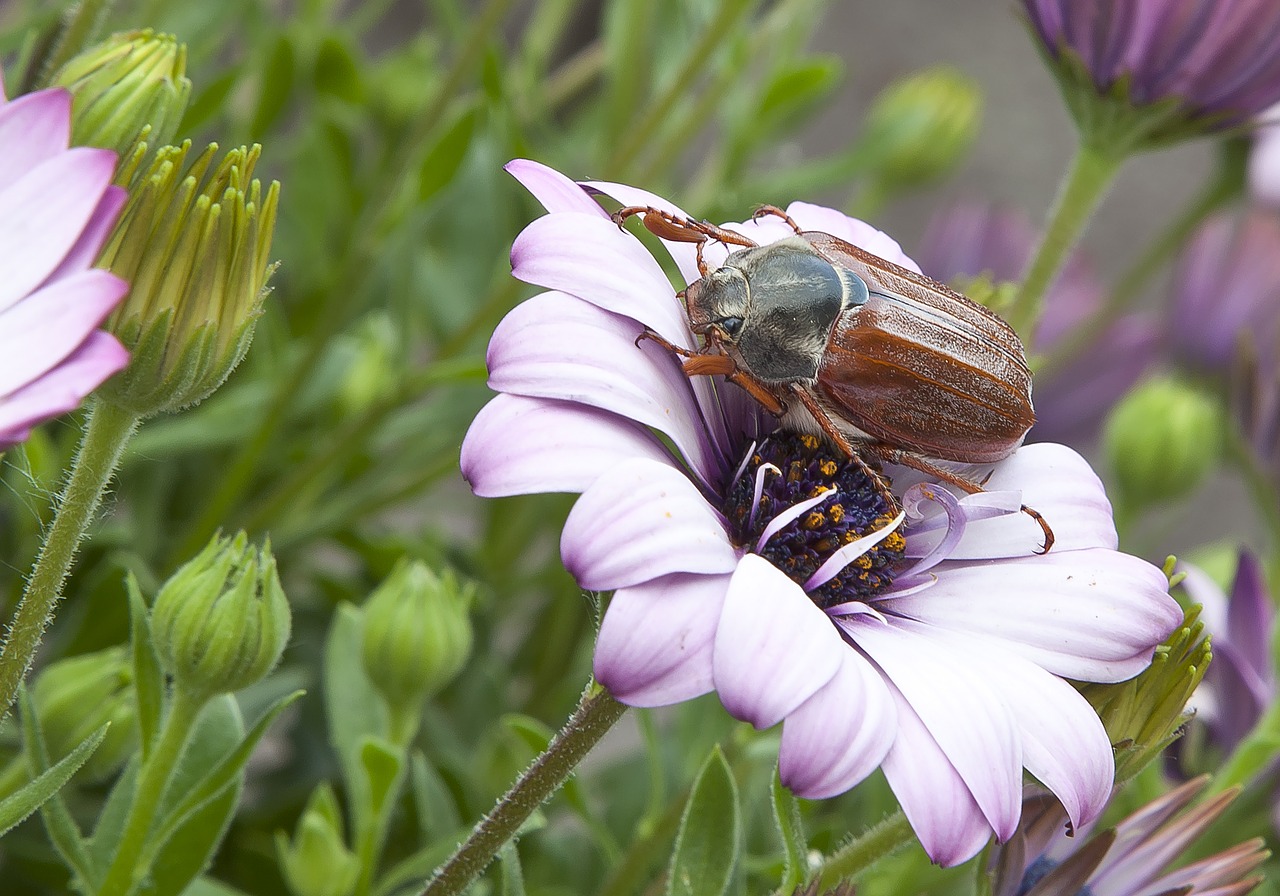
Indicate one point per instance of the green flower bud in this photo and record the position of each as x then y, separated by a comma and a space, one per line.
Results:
317, 862
1161, 441
74, 697
194, 241
129, 82
417, 633
921, 126
222, 621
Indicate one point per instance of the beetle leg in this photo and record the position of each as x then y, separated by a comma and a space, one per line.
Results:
823, 419
765, 210
708, 363
667, 226
669, 346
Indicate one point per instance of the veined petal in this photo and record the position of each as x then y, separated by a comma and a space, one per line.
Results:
655, 643
839, 735
521, 446
851, 230
61, 389
556, 192
33, 128
639, 522
684, 254
774, 648
95, 233
1093, 615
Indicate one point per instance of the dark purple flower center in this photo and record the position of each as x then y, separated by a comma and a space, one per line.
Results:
788, 469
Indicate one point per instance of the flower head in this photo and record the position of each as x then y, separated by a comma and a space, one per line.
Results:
57, 207
1152, 71
930, 641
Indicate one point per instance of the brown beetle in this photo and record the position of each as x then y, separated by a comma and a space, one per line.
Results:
833, 340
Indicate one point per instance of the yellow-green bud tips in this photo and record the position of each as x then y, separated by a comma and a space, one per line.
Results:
194, 240
317, 862
129, 82
417, 633
222, 621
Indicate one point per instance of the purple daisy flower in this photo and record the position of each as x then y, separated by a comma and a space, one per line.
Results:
1046, 859
973, 239
57, 207
1213, 64
931, 642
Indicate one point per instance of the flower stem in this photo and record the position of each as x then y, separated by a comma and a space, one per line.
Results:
596, 713
880, 842
1087, 181
152, 780
105, 435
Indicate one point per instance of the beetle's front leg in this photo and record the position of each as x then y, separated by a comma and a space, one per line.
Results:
765, 211
715, 363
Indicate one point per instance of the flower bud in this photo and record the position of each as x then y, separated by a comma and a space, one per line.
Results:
317, 861
193, 240
1162, 440
130, 81
417, 633
222, 621
74, 697
920, 127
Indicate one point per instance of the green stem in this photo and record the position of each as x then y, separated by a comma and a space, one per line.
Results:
596, 713
1087, 181
880, 842
105, 434
124, 872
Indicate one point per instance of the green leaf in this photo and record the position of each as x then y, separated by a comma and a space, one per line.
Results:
337, 72
797, 88
148, 679
275, 84
707, 847
512, 873
414, 869
207, 886
381, 763
353, 708
786, 815
436, 810
209, 101
445, 157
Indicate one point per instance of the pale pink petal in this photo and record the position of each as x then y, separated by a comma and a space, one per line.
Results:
684, 254
942, 811
44, 212
62, 389
638, 522
655, 643
1092, 615
33, 128
960, 708
839, 735
851, 230
1264, 164
521, 446
556, 192
774, 648
95, 233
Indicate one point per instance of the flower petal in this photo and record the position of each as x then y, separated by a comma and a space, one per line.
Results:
839, 735
522, 446
655, 643
61, 389
33, 128
851, 230
1093, 615
774, 648
685, 255
556, 192
85, 252
641, 521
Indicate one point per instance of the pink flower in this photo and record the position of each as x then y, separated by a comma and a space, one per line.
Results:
756, 563
57, 207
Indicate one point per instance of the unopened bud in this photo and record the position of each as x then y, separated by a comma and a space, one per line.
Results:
194, 242
222, 621
74, 697
317, 861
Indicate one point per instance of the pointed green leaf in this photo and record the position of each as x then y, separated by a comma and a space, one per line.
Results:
382, 764
18, 805
337, 72
786, 814
148, 679
275, 86
436, 810
707, 848
512, 872
443, 160
354, 710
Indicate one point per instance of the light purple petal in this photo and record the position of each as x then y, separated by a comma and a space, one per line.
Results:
33, 128
556, 346
556, 192
1264, 162
851, 230
94, 236
62, 389
638, 522
655, 643
774, 648
684, 254
1093, 615
1251, 614
839, 735
50, 324
963, 713
942, 811
521, 446
43, 214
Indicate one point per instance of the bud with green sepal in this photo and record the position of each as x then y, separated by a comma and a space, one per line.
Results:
222, 621
194, 241
417, 636
131, 82
317, 861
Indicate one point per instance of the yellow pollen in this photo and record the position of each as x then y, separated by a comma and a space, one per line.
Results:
863, 562
814, 520
895, 542
827, 468
809, 441
837, 512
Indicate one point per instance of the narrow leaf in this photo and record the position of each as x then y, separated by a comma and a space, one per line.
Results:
512, 873
148, 680
435, 807
786, 814
707, 848
18, 805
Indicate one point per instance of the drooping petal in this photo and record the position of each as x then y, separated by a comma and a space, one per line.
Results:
638, 522
839, 735
1090, 615
33, 128
774, 648
61, 389
521, 446
655, 643
556, 192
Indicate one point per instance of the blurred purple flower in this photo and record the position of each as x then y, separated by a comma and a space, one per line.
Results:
972, 239
1255, 405
57, 207
1227, 286
1129, 860
1264, 160
1217, 62
934, 647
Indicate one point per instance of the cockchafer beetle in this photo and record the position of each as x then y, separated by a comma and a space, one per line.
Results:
833, 340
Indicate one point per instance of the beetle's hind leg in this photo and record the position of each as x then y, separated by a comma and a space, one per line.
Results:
823, 419
765, 211
668, 226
